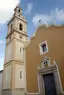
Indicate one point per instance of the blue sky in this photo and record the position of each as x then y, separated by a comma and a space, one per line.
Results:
48, 11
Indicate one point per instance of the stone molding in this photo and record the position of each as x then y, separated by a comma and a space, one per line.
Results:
47, 70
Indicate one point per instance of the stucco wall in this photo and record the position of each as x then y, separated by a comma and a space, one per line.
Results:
17, 35
8, 39
19, 83
7, 77
1, 73
8, 55
9, 26
55, 40
18, 54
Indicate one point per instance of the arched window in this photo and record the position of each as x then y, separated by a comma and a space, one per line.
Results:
19, 10
20, 26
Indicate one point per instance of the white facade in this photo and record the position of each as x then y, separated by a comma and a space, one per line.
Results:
7, 76
19, 83
8, 56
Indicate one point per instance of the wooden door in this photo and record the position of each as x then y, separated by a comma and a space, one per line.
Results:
49, 84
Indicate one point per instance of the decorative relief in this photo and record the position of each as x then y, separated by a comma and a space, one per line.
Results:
45, 63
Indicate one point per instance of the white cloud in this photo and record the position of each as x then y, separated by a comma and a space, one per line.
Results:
41, 17
1, 62
6, 9
29, 8
56, 16
2, 41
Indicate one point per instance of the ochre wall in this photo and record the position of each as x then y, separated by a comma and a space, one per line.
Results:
55, 40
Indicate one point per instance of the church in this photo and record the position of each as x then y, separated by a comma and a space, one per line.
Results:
35, 66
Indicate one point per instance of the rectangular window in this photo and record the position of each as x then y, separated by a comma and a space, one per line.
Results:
20, 49
43, 47
6, 76
20, 74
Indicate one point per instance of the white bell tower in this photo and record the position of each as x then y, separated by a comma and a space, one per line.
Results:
14, 66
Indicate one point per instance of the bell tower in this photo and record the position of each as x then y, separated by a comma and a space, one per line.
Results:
14, 64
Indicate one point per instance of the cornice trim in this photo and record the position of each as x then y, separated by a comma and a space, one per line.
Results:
47, 26
18, 18
14, 30
13, 60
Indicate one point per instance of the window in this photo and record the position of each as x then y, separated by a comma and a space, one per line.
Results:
20, 49
20, 74
20, 26
19, 10
43, 47
6, 77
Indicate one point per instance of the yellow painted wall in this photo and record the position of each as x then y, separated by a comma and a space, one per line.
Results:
55, 40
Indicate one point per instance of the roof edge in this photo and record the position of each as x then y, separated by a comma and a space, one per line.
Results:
46, 26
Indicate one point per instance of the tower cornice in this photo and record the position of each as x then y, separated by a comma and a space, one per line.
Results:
19, 62
15, 30
14, 16
23, 19
24, 42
